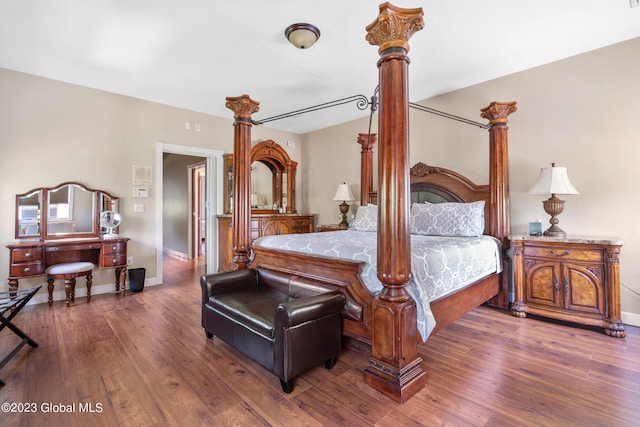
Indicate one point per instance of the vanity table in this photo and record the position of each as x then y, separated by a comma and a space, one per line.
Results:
31, 259
57, 225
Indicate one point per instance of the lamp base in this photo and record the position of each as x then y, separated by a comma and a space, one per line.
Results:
554, 231
344, 208
554, 207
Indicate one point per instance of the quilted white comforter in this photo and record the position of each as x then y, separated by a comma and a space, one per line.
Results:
439, 265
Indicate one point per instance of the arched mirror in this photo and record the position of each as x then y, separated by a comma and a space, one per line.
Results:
278, 182
272, 179
67, 210
70, 210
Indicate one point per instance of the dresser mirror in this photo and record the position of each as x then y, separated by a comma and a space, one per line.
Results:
272, 179
28, 209
70, 211
67, 210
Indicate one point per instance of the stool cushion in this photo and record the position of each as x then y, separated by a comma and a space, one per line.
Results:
70, 267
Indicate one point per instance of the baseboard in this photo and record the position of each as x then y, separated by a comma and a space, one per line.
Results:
632, 319
175, 254
42, 296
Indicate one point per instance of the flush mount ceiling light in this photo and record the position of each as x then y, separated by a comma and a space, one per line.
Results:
302, 36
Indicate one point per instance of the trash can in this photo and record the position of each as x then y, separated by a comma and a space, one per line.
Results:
136, 279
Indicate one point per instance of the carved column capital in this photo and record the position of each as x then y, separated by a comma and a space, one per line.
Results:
497, 112
367, 140
242, 106
394, 27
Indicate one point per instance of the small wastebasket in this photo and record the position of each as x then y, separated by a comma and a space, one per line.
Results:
136, 279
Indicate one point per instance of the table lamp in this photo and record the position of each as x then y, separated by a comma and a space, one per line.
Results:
344, 193
553, 180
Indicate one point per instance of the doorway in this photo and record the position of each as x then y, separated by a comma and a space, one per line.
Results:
211, 200
197, 198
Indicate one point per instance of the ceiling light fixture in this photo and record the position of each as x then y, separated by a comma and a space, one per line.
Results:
302, 36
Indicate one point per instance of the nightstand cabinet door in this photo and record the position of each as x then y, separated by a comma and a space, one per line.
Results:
583, 290
542, 284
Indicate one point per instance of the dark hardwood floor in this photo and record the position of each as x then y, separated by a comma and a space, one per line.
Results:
143, 360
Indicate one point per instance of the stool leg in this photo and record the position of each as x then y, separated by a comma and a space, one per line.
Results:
68, 285
50, 289
89, 283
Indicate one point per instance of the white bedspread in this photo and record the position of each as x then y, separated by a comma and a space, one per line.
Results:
439, 265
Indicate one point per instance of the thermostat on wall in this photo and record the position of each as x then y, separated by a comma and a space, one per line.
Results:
140, 192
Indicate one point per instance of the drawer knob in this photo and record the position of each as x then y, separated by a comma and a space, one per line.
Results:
565, 253
113, 248
28, 255
27, 269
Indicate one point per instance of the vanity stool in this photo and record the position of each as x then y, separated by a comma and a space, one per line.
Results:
69, 271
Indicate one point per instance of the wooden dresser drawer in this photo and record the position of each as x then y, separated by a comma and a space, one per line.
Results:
114, 248
562, 253
26, 254
300, 230
300, 222
114, 260
25, 269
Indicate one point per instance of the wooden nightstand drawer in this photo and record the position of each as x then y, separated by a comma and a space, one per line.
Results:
330, 227
566, 253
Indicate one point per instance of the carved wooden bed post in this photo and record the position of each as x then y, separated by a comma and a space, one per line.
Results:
497, 113
242, 107
366, 140
394, 367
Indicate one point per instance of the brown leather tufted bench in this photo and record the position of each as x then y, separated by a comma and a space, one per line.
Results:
286, 328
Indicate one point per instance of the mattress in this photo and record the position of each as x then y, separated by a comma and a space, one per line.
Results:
439, 265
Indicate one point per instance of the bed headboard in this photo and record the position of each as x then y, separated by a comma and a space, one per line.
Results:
436, 185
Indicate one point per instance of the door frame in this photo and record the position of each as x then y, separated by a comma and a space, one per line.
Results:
213, 172
196, 209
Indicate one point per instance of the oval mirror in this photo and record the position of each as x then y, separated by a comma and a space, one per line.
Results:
110, 220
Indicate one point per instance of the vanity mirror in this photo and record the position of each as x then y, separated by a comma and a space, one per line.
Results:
272, 180
67, 210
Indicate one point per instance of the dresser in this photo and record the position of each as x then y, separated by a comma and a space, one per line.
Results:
261, 225
570, 279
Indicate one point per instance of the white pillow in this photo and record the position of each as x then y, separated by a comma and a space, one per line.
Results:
448, 219
366, 218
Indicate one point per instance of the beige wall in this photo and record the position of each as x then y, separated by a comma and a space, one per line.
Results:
51, 132
581, 113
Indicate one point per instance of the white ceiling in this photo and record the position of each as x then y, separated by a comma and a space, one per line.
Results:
194, 53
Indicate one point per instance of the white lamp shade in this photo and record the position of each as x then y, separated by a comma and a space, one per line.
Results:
344, 193
553, 180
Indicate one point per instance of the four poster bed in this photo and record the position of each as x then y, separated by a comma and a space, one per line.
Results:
387, 318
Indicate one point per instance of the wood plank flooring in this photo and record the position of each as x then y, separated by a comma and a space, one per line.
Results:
144, 360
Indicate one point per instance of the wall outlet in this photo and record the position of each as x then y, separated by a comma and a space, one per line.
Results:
129, 260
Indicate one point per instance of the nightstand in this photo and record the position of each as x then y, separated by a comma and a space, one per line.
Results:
330, 227
570, 279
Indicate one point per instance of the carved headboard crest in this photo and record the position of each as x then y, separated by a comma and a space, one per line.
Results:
421, 169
